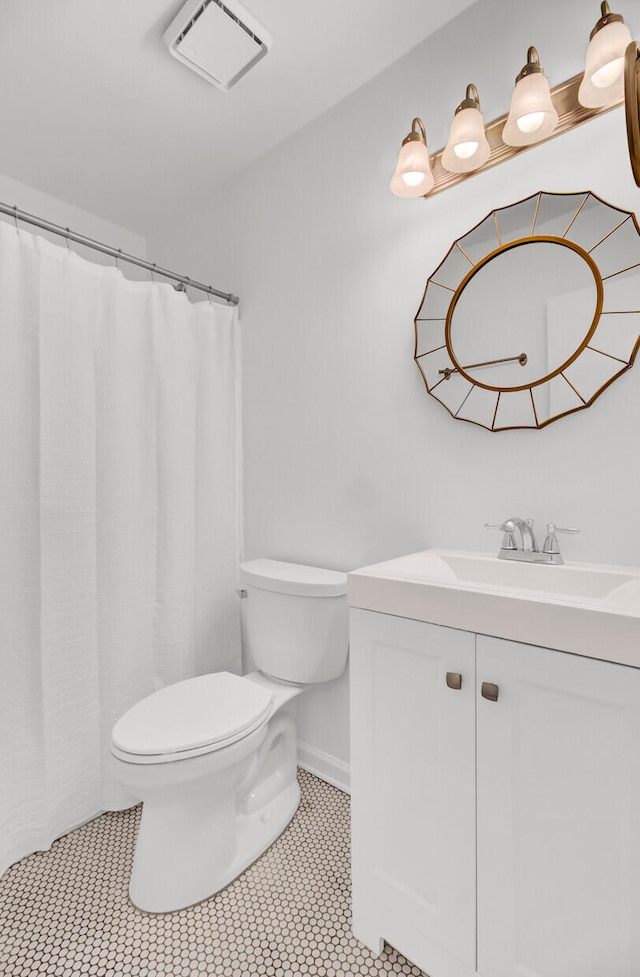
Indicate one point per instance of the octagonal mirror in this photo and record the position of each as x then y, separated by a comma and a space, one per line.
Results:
533, 312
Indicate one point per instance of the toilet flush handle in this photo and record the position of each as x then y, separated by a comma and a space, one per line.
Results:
241, 594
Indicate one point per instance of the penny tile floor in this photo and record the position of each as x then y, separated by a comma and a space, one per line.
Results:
65, 912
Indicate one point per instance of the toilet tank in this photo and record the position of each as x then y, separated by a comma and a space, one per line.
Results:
296, 620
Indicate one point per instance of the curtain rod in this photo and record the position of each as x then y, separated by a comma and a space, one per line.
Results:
21, 215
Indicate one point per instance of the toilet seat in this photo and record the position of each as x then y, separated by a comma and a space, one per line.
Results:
196, 716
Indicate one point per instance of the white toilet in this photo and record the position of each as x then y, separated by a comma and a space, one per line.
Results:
213, 758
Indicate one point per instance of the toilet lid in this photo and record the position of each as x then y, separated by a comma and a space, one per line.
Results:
209, 710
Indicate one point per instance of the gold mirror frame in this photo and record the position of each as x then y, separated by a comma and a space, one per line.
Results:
632, 105
607, 239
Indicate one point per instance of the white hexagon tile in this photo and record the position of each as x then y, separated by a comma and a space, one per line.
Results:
65, 912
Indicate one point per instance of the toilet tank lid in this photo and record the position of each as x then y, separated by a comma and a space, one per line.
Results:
293, 578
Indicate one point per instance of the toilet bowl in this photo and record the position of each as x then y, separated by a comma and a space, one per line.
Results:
213, 758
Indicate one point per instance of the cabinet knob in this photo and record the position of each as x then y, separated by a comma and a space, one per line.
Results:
454, 680
490, 691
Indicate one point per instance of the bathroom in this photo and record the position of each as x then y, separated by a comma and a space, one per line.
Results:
346, 461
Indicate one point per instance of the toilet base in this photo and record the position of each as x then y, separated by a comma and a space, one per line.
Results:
254, 834
206, 819
257, 832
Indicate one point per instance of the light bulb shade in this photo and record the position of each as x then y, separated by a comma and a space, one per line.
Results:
413, 176
467, 148
603, 81
532, 116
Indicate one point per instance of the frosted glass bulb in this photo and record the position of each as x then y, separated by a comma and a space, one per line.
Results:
413, 179
530, 122
532, 115
412, 176
608, 73
465, 150
603, 81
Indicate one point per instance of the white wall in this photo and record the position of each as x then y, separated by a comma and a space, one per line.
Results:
347, 460
65, 214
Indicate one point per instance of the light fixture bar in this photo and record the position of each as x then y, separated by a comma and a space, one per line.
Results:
570, 112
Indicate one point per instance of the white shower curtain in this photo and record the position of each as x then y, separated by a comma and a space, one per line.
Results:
119, 536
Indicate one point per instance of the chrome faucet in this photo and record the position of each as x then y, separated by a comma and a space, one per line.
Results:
520, 531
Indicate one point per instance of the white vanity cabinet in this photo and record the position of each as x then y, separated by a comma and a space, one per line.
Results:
494, 836
413, 789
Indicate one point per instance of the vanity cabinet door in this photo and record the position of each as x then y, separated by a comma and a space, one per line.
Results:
413, 790
558, 814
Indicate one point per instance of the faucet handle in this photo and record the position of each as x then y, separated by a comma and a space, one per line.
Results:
551, 543
508, 542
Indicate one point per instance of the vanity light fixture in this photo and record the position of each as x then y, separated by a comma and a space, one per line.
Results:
532, 115
603, 82
413, 176
467, 148
536, 115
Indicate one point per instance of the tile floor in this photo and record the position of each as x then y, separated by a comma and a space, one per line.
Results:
65, 912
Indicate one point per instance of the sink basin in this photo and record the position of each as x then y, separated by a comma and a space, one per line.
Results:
582, 608
570, 580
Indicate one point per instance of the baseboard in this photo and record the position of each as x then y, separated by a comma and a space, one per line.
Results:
326, 767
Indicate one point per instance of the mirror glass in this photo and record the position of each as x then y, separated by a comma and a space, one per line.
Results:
528, 294
533, 313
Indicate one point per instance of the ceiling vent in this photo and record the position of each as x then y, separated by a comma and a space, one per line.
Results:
219, 41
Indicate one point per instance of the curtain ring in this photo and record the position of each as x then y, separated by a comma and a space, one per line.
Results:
118, 258
67, 238
15, 216
152, 271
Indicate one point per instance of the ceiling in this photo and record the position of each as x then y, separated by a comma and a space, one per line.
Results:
96, 112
